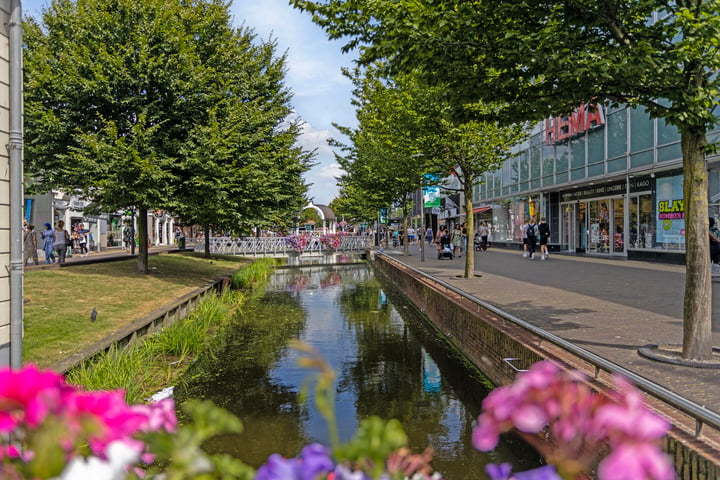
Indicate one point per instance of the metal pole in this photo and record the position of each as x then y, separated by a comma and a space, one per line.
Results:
423, 227
16, 183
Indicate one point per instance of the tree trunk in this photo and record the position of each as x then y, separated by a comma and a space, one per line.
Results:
697, 306
206, 231
469, 228
142, 265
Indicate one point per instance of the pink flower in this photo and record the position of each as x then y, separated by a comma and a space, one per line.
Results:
486, 435
159, 416
27, 396
530, 418
636, 461
580, 421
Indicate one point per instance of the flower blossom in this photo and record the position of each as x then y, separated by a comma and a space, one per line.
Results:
580, 423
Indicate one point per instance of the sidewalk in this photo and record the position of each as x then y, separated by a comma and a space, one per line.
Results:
608, 307
110, 254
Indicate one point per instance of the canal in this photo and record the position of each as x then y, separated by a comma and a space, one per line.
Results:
387, 360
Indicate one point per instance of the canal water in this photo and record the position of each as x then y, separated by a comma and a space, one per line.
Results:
388, 364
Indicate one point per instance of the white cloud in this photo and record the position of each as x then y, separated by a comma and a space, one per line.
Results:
321, 93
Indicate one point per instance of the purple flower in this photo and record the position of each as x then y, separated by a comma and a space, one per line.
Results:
498, 471
277, 468
547, 472
315, 460
503, 472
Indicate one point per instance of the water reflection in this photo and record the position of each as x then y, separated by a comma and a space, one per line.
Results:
388, 363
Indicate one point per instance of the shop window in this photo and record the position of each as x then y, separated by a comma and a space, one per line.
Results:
596, 146
641, 130
535, 170
642, 232
524, 167
669, 153
667, 133
535, 162
669, 223
548, 167
514, 170
577, 149
617, 165
562, 161
617, 134
577, 174
506, 174
641, 159
596, 170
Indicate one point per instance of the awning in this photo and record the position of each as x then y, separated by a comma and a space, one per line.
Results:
482, 209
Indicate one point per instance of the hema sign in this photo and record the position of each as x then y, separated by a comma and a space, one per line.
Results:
584, 118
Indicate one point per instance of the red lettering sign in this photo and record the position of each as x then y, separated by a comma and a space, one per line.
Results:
581, 120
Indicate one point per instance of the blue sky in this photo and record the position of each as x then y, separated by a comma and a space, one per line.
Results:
321, 94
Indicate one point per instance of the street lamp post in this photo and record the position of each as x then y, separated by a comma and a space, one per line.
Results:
421, 233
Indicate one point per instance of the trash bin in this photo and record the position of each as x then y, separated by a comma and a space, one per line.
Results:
181, 243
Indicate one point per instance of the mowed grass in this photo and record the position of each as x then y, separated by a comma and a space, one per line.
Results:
59, 302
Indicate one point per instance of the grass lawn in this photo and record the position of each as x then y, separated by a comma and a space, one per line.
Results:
60, 301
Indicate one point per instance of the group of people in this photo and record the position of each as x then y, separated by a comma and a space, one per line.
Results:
57, 243
534, 233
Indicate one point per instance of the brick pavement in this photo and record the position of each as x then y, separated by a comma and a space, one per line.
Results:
608, 307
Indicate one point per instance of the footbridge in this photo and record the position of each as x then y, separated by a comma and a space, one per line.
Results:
285, 246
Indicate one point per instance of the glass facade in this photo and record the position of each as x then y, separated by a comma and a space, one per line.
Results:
608, 180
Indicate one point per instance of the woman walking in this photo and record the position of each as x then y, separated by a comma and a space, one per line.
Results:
48, 246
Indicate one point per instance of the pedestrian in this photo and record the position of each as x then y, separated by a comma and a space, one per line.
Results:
48, 246
531, 233
127, 237
60, 241
439, 235
30, 245
484, 233
429, 236
82, 240
714, 235
457, 240
524, 228
463, 246
544, 231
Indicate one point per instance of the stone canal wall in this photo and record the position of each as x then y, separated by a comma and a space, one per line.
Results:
499, 348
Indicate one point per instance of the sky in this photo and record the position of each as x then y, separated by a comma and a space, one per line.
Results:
321, 93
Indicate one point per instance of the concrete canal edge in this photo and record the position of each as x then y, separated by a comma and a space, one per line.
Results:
163, 317
499, 348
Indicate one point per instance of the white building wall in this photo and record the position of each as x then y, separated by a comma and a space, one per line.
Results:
4, 186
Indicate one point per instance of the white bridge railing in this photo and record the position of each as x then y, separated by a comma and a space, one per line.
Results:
278, 246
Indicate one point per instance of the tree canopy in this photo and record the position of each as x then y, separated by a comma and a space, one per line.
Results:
544, 58
160, 104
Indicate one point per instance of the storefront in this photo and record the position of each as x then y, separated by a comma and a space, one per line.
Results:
608, 180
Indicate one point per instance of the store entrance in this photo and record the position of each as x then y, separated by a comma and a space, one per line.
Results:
573, 238
606, 226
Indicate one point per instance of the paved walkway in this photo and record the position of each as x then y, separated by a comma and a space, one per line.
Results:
609, 307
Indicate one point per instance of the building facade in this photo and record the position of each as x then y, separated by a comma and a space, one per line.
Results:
608, 180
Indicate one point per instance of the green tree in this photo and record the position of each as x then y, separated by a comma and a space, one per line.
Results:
384, 163
144, 104
468, 150
546, 57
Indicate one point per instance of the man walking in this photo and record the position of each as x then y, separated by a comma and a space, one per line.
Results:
531, 237
544, 231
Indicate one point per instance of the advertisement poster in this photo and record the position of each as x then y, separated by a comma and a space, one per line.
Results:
431, 196
670, 226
